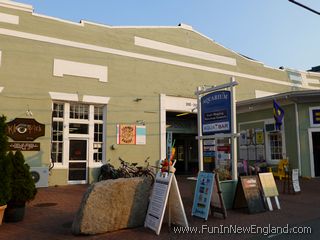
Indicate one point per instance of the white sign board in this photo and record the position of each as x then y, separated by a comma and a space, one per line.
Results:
165, 185
295, 180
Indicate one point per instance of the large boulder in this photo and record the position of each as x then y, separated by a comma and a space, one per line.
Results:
112, 205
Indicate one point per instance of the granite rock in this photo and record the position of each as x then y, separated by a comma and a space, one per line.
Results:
112, 205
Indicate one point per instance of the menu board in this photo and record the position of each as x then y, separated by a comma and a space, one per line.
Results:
268, 184
202, 196
248, 194
295, 180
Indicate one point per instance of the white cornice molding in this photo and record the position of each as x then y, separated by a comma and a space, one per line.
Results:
64, 96
1, 89
9, 18
95, 99
152, 44
15, 5
78, 69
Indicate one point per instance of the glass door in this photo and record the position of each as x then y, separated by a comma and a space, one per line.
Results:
78, 159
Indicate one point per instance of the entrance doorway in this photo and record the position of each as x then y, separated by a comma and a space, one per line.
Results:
78, 160
184, 131
316, 152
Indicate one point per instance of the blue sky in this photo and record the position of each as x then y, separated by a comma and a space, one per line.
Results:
275, 32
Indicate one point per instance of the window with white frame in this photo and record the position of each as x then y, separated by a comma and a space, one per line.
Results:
98, 134
57, 132
276, 145
72, 119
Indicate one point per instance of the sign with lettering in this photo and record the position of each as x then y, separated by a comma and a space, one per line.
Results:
216, 113
25, 129
202, 195
248, 194
165, 194
24, 146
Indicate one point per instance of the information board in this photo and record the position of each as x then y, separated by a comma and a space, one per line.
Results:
248, 194
268, 184
295, 180
202, 196
216, 113
165, 187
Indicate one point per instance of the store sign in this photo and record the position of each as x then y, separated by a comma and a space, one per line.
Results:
25, 129
24, 146
216, 113
315, 117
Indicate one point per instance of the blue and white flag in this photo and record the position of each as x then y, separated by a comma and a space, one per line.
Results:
278, 114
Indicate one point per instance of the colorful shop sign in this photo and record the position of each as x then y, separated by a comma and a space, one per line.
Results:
216, 113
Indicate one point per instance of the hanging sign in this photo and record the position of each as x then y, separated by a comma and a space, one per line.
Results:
216, 113
25, 129
24, 146
164, 188
202, 196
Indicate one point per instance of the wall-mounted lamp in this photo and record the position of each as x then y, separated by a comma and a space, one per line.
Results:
137, 99
141, 122
113, 147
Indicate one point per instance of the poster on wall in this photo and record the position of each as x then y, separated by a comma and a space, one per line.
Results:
252, 152
243, 138
126, 134
131, 134
260, 152
243, 151
216, 113
259, 136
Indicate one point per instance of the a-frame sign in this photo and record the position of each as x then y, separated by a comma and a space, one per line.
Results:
165, 187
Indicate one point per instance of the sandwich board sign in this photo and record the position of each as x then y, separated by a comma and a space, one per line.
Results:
248, 194
164, 188
202, 195
217, 201
295, 180
269, 188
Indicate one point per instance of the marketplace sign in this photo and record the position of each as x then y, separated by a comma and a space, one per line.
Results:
216, 113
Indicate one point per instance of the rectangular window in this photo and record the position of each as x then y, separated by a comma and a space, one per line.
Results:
98, 113
57, 141
58, 109
275, 139
79, 111
78, 128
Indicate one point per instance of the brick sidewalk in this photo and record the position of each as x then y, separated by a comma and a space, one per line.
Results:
51, 214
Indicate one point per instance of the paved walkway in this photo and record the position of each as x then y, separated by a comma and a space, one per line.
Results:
50, 216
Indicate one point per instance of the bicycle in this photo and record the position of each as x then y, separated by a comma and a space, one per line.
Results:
107, 171
146, 171
127, 170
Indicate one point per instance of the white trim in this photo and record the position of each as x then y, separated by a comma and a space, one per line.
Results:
176, 104
57, 19
312, 80
163, 129
8, 18
64, 96
0, 58
310, 131
83, 22
17, 6
1, 89
260, 93
95, 99
298, 136
311, 117
64, 67
143, 42
91, 47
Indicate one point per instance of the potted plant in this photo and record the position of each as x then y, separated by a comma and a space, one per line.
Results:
5, 169
22, 187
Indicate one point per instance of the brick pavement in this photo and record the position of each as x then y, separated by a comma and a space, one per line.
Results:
50, 216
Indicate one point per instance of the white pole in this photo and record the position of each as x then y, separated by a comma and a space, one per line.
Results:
200, 146
234, 131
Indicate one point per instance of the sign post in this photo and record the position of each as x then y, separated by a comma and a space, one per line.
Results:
217, 118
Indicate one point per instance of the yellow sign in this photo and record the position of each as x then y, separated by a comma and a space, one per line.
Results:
268, 184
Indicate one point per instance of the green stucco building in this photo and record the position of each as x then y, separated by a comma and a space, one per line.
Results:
104, 92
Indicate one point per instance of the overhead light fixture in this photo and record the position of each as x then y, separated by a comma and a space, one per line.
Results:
182, 114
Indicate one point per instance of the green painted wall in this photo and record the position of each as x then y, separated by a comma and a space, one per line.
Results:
26, 73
